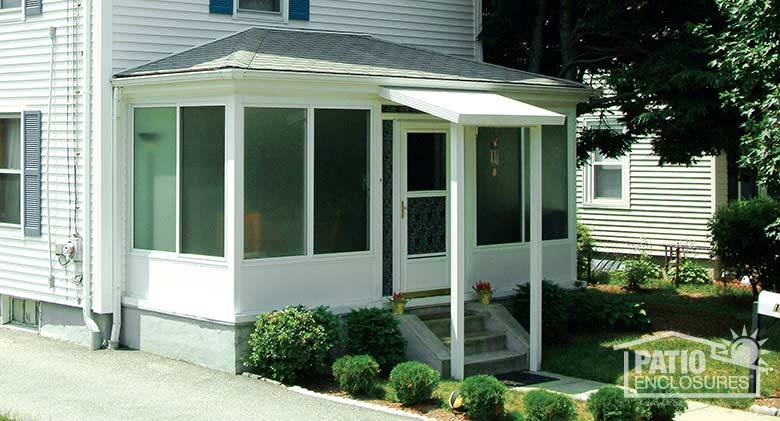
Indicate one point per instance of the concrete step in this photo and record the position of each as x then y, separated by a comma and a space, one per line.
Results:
497, 362
441, 327
479, 342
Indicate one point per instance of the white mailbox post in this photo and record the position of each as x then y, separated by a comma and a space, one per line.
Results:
768, 305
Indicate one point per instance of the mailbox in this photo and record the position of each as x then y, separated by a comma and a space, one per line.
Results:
769, 304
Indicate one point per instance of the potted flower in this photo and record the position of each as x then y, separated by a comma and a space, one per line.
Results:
398, 302
485, 291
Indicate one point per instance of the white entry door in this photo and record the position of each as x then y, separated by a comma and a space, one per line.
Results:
424, 206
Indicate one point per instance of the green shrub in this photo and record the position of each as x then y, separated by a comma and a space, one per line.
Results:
413, 382
617, 313
741, 238
375, 332
541, 405
600, 277
692, 273
610, 404
585, 246
661, 408
554, 317
483, 397
584, 311
637, 271
356, 374
289, 342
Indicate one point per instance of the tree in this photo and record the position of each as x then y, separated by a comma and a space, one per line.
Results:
653, 63
748, 52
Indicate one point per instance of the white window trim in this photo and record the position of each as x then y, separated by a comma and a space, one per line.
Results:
14, 14
309, 254
176, 255
17, 228
589, 185
282, 16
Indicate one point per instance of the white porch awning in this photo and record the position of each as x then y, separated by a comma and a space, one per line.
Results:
474, 108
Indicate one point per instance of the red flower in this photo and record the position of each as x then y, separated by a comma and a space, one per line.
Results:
483, 286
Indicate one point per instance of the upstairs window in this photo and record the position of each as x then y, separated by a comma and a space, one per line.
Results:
273, 6
10, 4
10, 169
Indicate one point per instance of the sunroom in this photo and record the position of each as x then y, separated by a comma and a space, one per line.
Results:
277, 167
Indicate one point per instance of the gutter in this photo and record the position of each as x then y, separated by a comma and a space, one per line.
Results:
95, 337
116, 327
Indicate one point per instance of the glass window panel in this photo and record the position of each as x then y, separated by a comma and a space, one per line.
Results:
274, 182
426, 161
555, 197
154, 179
10, 143
10, 4
10, 190
341, 158
499, 178
203, 180
608, 181
259, 5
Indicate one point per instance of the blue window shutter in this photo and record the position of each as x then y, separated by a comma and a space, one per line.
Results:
222, 7
32, 172
33, 7
299, 9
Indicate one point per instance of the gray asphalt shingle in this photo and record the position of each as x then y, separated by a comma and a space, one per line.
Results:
334, 53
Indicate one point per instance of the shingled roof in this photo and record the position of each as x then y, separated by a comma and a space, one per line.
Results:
335, 54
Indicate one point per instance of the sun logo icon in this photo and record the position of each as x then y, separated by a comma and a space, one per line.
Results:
745, 349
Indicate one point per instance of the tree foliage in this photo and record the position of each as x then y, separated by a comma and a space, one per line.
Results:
748, 52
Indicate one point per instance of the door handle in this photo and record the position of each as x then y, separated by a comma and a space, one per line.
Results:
403, 209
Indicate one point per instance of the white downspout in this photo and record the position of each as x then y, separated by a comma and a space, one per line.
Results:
95, 337
117, 291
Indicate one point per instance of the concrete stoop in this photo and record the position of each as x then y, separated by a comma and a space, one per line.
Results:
495, 342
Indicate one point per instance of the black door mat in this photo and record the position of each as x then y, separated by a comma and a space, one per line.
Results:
523, 378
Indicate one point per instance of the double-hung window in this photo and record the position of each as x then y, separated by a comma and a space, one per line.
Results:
268, 6
608, 180
10, 4
10, 169
179, 180
306, 181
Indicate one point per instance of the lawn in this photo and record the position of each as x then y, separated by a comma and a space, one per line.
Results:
706, 311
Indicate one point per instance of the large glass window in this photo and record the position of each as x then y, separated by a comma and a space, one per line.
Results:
499, 186
274, 182
10, 169
341, 163
260, 5
427, 161
555, 184
203, 180
154, 179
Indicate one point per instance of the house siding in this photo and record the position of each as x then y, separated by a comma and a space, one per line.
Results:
669, 205
24, 85
146, 30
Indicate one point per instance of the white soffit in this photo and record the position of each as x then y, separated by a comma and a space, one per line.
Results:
474, 108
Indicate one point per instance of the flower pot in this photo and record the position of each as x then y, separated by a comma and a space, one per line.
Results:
484, 297
398, 307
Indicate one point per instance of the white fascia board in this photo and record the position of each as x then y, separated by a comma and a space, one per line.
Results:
474, 108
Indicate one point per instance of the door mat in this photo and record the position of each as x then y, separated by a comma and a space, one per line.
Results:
523, 378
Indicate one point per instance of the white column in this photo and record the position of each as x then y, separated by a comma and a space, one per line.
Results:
536, 249
457, 248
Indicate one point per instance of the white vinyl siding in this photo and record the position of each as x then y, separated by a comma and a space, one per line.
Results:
668, 205
146, 30
24, 86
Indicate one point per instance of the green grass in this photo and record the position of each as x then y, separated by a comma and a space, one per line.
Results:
3, 418
706, 311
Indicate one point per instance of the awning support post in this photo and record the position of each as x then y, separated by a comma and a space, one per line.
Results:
457, 249
535, 328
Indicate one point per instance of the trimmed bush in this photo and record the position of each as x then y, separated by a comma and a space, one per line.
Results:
692, 273
610, 404
637, 271
483, 397
289, 342
741, 237
541, 405
413, 382
554, 314
356, 374
661, 409
375, 332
